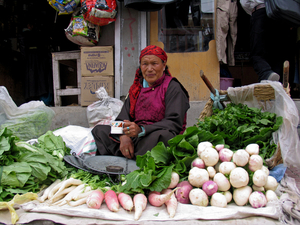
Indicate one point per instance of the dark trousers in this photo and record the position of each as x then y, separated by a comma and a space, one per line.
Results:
268, 44
108, 146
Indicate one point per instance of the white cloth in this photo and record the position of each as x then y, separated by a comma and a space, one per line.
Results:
248, 5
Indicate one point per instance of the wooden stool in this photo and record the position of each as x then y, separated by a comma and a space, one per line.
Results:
58, 92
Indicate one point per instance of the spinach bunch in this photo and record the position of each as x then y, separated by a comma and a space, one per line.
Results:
26, 168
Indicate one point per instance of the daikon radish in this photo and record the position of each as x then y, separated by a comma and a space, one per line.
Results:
67, 183
171, 204
62, 194
140, 203
70, 195
78, 202
157, 199
125, 201
55, 189
47, 190
83, 193
95, 199
111, 200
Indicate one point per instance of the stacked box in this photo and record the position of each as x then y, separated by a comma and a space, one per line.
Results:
97, 70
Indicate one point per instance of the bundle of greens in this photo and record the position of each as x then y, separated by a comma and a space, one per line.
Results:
25, 167
241, 125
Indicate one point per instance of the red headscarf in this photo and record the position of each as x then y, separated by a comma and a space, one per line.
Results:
136, 87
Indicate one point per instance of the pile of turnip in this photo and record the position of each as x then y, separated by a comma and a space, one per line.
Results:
219, 176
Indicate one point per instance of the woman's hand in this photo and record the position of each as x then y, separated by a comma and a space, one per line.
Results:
131, 129
126, 146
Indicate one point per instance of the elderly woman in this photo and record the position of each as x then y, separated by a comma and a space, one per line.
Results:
154, 112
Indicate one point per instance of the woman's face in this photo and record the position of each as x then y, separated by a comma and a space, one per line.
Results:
152, 68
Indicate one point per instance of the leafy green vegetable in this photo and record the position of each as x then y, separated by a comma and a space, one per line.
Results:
26, 168
240, 125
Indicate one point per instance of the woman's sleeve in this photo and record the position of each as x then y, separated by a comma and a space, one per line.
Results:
177, 104
124, 113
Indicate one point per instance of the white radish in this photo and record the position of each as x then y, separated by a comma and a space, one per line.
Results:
95, 199
78, 202
55, 189
202, 146
260, 178
171, 204
219, 147
62, 194
252, 149
222, 182
271, 196
174, 180
266, 170
47, 190
211, 171
198, 197
257, 199
271, 184
217, 166
140, 203
67, 183
218, 200
70, 195
255, 162
125, 201
157, 199
241, 195
210, 156
239, 177
241, 157
225, 155
198, 162
197, 177
256, 188
228, 196
226, 167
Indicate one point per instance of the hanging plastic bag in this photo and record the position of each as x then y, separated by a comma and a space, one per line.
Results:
88, 36
28, 121
105, 110
99, 12
283, 105
64, 7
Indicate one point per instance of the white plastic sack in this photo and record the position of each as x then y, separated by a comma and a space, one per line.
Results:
105, 110
29, 120
283, 106
79, 139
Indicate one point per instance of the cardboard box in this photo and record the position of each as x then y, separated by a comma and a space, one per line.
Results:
89, 86
97, 60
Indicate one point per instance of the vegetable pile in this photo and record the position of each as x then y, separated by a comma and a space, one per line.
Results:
196, 168
232, 175
25, 167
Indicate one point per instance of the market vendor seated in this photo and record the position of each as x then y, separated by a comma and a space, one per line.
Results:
155, 110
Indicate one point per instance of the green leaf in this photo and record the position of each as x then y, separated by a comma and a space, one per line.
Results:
161, 154
163, 181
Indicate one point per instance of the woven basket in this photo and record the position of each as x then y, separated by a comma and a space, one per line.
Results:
263, 93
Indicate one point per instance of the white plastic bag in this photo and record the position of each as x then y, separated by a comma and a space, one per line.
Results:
105, 110
29, 120
283, 106
79, 139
